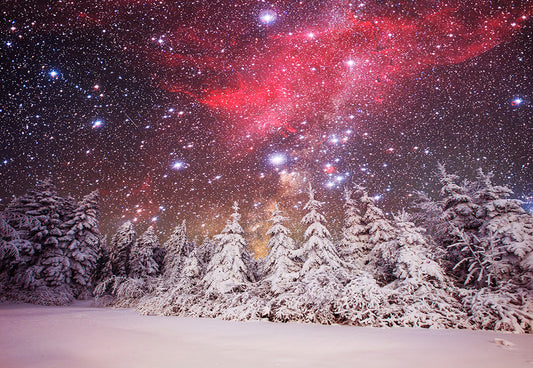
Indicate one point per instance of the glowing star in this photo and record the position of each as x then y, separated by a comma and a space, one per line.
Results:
178, 165
349, 63
267, 16
97, 124
517, 101
278, 159
53, 74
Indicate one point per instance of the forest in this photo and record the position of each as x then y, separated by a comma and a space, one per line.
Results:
462, 260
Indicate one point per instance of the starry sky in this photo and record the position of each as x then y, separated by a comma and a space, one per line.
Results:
174, 109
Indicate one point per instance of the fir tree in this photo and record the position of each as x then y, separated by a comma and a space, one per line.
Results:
354, 235
457, 235
81, 242
231, 268
318, 250
10, 244
378, 227
49, 257
505, 236
121, 245
280, 266
177, 249
142, 263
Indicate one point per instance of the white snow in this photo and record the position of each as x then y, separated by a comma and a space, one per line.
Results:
81, 335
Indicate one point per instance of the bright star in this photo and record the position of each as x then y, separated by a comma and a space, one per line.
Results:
53, 74
278, 159
516, 101
178, 165
97, 124
267, 16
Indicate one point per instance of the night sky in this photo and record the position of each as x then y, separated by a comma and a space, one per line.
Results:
174, 109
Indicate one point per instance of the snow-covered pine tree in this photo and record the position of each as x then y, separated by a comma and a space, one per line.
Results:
232, 267
280, 265
10, 243
457, 233
362, 300
427, 213
378, 227
354, 235
177, 249
499, 262
53, 259
323, 273
317, 250
192, 266
142, 263
409, 257
81, 241
420, 293
121, 244
506, 235
25, 271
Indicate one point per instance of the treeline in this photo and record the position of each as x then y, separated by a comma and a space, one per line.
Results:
463, 260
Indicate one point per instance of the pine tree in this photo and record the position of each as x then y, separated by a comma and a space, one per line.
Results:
280, 266
177, 249
121, 244
231, 268
457, 234
505, 236
81, 242
409, 257
354, 235
378, 227
9, 245
318, 250
50, 262
323, 273
142, 263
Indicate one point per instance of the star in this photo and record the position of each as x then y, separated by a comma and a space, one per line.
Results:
267, 16
278, 159
517, 101
178, 165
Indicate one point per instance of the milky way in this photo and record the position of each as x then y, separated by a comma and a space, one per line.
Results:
175, 109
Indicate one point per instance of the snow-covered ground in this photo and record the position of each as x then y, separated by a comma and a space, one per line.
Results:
81, 335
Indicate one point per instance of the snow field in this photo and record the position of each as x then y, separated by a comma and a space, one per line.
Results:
81, 336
